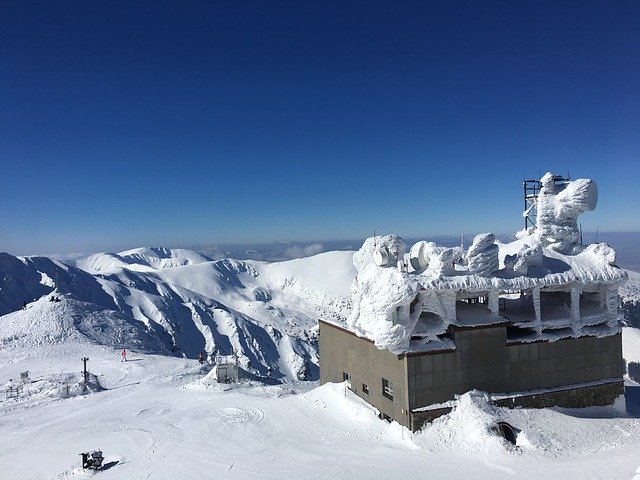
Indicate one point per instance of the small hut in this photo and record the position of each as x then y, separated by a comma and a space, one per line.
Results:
226, 368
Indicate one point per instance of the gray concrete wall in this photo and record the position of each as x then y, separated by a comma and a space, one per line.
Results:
342, 351
604, 394
482, 359
564, 362
479, 361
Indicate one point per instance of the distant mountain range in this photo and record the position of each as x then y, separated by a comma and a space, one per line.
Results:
181, 302
176, 301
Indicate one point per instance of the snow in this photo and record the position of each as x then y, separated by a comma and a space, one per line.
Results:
164, 417
140, 259
631, 344
174, 301
160, 415
483, 255
382, 296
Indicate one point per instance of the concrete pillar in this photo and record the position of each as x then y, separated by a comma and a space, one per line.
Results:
493, 301
575, 310
536, 308
448, 301
612, 301
575, 303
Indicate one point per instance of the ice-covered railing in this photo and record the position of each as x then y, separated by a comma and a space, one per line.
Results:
395, 291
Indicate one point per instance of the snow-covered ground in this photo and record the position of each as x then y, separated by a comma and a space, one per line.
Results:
162, 417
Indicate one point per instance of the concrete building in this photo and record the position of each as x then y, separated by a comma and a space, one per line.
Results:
534, 323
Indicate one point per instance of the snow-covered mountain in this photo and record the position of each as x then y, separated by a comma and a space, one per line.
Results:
179, 302
164, 415
630, 299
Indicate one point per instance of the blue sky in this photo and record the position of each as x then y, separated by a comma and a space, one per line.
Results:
144, 123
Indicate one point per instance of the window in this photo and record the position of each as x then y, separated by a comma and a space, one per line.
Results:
387, 389
365, 388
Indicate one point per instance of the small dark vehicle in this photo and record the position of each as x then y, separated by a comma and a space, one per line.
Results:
92, 460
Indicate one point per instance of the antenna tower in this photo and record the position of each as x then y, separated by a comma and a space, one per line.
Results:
531, 191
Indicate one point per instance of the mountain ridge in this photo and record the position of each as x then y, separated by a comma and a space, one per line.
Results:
176, 301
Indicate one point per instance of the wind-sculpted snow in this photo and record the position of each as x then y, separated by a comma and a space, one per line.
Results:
482, 256
264, 313
559, 208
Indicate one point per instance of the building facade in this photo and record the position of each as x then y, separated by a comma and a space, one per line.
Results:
409, 387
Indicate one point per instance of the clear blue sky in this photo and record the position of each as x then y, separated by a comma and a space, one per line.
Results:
130, 123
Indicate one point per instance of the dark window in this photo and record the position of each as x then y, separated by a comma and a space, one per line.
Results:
387, 389
365, 388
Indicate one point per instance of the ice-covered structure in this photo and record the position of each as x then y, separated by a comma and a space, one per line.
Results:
558, 207
545, 287
397, 296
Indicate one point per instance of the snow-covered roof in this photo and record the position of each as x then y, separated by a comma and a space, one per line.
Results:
393, 288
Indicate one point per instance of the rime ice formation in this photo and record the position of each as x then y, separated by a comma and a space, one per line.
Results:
483, 255
526, 257
382, 294
438, 260
545, 284
558, 209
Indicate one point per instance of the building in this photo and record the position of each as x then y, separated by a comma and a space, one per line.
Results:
534, 322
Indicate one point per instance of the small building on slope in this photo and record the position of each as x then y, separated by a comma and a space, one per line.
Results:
534, 322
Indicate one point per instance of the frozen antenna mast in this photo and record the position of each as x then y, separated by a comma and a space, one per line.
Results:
531, 192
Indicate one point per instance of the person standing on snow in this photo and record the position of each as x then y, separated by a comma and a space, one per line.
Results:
124, 355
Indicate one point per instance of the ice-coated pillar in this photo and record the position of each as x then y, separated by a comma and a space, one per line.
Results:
575, 303
536, 308
448, 302
612, 299
493, 303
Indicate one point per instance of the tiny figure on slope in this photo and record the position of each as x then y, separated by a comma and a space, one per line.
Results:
201, 358
124, 355
24, 305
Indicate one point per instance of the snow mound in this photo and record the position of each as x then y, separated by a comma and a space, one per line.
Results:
470, 426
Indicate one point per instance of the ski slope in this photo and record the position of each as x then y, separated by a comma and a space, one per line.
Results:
162, 417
